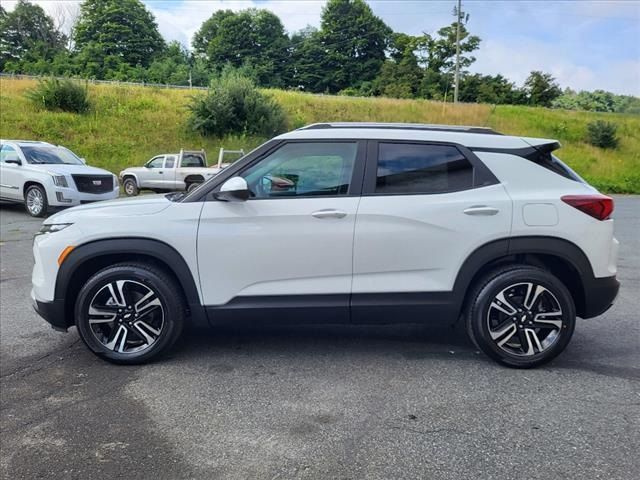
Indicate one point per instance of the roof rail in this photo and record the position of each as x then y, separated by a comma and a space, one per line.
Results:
403, 126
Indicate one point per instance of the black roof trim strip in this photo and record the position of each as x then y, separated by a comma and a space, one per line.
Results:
432, 128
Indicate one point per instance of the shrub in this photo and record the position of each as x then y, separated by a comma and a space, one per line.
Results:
65, 95
602, 134
234, 105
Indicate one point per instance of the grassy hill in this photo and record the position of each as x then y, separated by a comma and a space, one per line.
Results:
128, 125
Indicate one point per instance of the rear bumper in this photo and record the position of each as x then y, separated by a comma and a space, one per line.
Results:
52, 312
600, 293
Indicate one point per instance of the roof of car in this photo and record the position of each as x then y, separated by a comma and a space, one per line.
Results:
23, 142
472, 137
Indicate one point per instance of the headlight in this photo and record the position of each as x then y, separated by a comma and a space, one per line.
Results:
60, 181
53, 227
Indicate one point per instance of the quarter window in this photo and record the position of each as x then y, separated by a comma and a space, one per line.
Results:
414, 169
303, 170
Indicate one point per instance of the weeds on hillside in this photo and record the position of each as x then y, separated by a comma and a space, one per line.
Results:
602, 134
65, 95
234, 105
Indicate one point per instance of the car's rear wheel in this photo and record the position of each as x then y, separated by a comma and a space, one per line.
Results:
192, 186
130, 313
130, 187
521, 316
35, 201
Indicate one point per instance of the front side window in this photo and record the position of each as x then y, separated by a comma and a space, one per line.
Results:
405, 168
303, 170
156, 162
8, 153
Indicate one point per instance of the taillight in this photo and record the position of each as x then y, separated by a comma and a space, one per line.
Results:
597, 206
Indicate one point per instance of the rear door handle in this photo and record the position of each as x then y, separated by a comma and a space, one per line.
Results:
329, 213
481, 210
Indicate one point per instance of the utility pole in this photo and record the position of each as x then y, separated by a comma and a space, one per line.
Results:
457, 77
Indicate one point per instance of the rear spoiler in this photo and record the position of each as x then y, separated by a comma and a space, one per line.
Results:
532, 152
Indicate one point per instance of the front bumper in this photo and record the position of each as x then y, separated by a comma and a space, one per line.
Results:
69, 197
52, 312
600, 293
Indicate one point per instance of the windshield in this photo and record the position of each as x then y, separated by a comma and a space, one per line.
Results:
48, 154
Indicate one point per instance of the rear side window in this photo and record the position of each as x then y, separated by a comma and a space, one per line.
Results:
553, 163
419, 169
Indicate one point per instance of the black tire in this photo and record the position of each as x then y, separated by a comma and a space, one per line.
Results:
551, 316
193, 186
130, 187
163, 321
35, 201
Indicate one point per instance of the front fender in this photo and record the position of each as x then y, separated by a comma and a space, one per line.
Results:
78, 264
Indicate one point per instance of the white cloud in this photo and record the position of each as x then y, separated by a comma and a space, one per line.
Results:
516, 59
181, 21
63, 13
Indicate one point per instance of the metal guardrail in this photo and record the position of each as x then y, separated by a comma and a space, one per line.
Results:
102, 82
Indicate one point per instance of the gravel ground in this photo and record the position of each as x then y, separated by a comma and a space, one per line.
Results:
317, 402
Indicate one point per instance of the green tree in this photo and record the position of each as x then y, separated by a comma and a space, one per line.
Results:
486, 89
439, 56
27, 30
306, 53
254, 38
400, 75
124, 29
541, 89
353, 41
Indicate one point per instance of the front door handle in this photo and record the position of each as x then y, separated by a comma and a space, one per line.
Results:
481, 210
329, 213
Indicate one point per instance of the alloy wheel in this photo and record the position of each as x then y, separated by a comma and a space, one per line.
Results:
525, 319
35, 201
126, 316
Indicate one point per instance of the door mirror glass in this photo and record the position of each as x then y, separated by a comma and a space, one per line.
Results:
233, 190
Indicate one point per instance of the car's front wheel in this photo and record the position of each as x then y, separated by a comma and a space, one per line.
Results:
130, 187
35, 201
521, 316
130, 313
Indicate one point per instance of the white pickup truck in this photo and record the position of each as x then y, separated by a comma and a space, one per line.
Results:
169, 172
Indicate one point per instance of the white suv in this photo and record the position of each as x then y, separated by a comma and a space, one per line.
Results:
42, 175
344, 223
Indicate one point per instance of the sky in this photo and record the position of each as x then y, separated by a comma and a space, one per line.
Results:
585, 44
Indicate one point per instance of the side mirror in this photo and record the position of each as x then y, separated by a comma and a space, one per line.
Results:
233, 190
14, 161
83, 160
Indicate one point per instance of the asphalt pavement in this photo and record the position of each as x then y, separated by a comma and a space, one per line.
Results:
317, 402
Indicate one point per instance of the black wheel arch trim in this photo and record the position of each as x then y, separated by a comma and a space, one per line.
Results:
160, 251
597, 293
